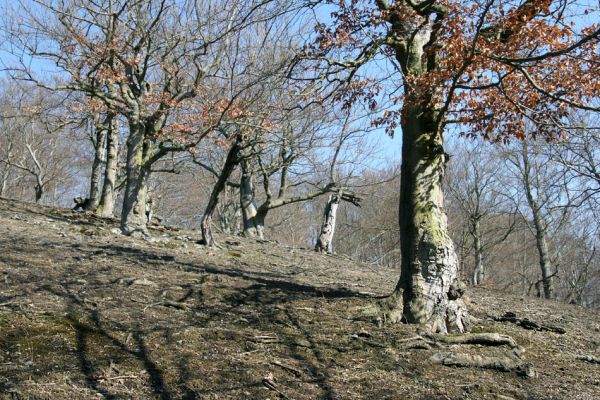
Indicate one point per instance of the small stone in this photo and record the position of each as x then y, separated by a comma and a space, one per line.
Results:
144, 282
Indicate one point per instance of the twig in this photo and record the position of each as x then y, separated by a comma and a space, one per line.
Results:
121, 377
293, 370
152, 305
588, 358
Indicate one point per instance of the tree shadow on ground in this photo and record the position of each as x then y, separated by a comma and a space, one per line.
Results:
98, 326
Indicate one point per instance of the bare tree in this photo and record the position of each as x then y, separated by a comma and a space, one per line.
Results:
32, 141
474, 188
148, 61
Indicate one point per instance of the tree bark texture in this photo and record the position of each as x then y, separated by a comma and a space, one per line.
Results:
107, 200
133, 214
429, 269
325, 240
101, 130
252, 228
429, 274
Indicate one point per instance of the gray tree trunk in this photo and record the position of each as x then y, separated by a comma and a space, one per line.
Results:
428, 283
429, 271
539, 225
99, 155
479, 272
247, 200
107, 200
133, 214
325, 240
544, 256
5, 173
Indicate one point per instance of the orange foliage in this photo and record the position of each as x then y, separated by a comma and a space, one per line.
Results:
491, 69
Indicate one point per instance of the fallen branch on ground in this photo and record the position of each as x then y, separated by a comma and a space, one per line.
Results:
293, 370
588, 358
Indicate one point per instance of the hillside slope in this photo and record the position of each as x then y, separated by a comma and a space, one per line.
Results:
87, 313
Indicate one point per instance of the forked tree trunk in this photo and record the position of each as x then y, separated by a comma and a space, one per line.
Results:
230, 164
99, 155
325, 240
429, 271
133, 214
252, 227
107, 200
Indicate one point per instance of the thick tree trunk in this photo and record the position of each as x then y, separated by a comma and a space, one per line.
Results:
133, 214
39, 191
99, 155
230, 164
248, 203
479, 272
325, 240
429, 270
107, 200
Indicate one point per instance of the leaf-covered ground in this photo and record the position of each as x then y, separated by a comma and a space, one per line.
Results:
87, 313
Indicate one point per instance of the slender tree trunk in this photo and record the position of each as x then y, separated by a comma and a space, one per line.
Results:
479, 272
5, 173
107, 200
133, 214
325, 240
545, 262
99, 155
230, 164
429, 271
6, 169
248, 203
539, 225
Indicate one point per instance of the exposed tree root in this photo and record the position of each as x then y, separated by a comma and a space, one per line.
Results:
485, 339
527, 324
504, 364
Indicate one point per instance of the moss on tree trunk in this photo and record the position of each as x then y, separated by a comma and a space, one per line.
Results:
429, 270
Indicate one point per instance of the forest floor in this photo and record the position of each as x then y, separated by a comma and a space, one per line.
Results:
87, 313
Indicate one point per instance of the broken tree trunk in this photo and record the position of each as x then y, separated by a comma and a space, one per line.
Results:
325, 240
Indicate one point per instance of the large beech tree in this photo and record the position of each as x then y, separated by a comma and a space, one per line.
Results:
491, 67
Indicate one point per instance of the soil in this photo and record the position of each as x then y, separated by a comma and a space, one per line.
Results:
87, 313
